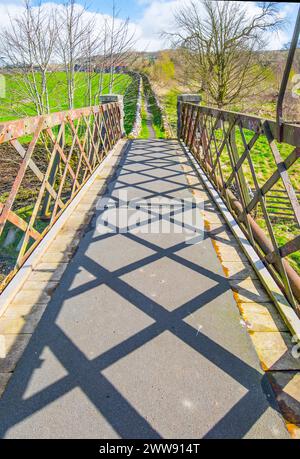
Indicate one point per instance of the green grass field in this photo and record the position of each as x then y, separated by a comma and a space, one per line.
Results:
284, 227
155, 110
169, 101
144, 133
17, 104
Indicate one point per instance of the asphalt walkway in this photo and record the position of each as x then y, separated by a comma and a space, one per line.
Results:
151, 131
142, 338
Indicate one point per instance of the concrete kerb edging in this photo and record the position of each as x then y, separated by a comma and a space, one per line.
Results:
286, 311
22, 275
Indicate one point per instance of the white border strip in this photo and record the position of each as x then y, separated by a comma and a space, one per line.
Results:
21, 276
285, 309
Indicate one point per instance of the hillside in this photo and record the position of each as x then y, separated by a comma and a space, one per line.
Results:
170, 77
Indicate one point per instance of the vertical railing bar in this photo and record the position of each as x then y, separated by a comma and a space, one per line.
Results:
199, 133
286, 74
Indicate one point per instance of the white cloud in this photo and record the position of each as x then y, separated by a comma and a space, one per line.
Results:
8, 10
158, 17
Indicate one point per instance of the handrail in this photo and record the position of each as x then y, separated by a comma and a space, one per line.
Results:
290, 131
55, 155
223, 143
25, 126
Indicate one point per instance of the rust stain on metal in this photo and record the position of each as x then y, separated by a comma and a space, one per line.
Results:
237, 298
291, 417
206, 224
225, 269
80, 158
208, 121
289, 406
240, 305
288, 413
293, 430
217, 249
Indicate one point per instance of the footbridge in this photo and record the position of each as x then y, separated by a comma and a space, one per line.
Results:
147, 291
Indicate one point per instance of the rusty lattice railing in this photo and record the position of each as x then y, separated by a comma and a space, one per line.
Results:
44, 162
254, 175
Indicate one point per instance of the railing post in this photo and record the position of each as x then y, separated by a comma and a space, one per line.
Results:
285, 78
108, 98
191, 98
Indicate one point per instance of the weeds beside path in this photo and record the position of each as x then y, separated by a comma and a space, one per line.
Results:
148, 130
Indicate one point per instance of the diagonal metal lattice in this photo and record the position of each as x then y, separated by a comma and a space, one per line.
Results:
228, 146
69, 146
82, 372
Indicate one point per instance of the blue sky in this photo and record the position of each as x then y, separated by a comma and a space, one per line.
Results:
150, 17
136, 8
132, 8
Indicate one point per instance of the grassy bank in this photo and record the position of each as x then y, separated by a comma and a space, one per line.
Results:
130, 101
144, 134
169, 101
155, 110
17, 104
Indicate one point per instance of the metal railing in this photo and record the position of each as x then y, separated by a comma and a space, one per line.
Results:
249, 167
46, 160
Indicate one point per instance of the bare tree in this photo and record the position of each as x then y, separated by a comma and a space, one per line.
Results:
118, 44
74, 32
296, 62
101, 61
28, 47
91, 45
84, 46
45, 37
219, 43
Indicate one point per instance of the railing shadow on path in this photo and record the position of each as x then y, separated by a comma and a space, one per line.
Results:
88, 374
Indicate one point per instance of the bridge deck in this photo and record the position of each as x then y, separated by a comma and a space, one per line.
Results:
142, 338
